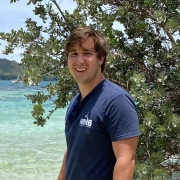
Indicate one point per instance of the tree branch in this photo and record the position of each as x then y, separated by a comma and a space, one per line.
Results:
54, 1
170, 37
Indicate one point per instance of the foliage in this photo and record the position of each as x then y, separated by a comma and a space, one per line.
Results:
144, 59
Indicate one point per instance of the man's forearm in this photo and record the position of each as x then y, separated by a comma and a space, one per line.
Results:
124, 169
63, 169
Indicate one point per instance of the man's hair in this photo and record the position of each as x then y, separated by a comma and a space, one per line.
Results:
82, 33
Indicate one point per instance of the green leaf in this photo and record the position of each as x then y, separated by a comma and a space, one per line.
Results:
160, 16
38, 110
172, 25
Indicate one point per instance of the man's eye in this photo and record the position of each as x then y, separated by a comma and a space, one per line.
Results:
73, 54
87, 53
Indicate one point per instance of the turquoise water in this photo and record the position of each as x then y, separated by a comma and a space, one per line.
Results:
27, 151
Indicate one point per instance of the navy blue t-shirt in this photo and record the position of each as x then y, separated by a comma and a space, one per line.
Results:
105, 115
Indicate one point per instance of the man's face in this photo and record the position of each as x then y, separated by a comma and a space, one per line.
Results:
83, 63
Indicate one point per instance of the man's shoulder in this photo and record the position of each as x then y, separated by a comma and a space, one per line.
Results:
75, 98
114, 89
73, 101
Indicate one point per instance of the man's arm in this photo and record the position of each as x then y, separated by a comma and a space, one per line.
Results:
124, 151
63, 168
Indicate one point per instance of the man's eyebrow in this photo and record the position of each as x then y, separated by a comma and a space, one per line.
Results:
72, 50
84, 49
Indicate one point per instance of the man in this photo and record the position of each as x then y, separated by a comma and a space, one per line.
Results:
101, 121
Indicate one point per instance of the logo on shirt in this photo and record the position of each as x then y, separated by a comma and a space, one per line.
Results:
86, 122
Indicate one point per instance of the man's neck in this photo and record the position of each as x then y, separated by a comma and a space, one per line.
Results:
85, 89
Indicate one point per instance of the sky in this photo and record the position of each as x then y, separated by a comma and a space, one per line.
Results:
13, 16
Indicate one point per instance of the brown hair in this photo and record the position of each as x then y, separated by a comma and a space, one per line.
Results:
100, 41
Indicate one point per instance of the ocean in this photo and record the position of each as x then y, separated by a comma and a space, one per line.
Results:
27, 151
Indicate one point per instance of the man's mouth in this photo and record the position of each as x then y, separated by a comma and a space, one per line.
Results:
80, 69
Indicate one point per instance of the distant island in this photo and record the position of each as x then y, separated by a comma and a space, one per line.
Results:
11, 70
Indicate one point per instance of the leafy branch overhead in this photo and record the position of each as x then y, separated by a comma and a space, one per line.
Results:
144, 38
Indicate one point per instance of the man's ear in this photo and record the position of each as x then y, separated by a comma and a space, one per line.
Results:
101, 60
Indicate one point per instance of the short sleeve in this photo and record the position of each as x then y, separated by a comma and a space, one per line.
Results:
121, 119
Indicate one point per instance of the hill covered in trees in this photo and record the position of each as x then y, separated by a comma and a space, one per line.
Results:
9, 69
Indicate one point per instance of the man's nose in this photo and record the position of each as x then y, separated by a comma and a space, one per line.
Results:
80, 59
